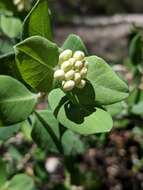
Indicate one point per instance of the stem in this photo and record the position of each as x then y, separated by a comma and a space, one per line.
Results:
51, 133
72, 98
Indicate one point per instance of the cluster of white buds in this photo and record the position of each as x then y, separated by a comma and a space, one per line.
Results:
22, 4
72, 69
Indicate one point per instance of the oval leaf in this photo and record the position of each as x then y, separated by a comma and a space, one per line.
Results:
73, 145
40, 133
135, 49
21, 181
74, 43
8, 131
76, 119
36, 57
8, 65
97, 122
37, 21
109, 88
138, 108
16, 101
11, 26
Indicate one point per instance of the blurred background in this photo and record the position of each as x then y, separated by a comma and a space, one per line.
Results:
112, 161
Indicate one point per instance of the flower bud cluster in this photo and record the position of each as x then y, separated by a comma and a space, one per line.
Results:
72, 70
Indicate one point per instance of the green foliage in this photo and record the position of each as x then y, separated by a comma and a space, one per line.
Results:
74, 43
10, 26
115, 109
70, 114
9, 131
20, 181
3, 173
15, 96
37, 21
41, 131
8, 65
36, 58
72, 145
6, 46
79, 119
138, 108
135, 50
62, 126
109, 88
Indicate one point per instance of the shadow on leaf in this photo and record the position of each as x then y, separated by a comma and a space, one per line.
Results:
76, 113
61, 103
79, 104
85, 96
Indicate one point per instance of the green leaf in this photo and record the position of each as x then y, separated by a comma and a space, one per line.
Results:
15, 154
21, 182
8, 65
38, 22
138, 108
11, 26
72, 143
56, 98
16, 101
74, 43
77, 119
36, 58
8, 131
6, 46
41, 134
135, 49
109, 88
3, 173
135, 96
97, 122
116, 109
26, 129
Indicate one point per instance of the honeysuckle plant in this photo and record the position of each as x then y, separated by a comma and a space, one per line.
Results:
78, 86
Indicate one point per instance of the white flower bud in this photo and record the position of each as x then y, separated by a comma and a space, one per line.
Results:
69, 85
20, 6
79, 55
77, 78
59, 74
65, 55
70, 75
73, 68
78, 65
72, 61
66, 66
83, 72
81, 84
16, 2
52, 164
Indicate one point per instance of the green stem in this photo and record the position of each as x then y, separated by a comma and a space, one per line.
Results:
72, 98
